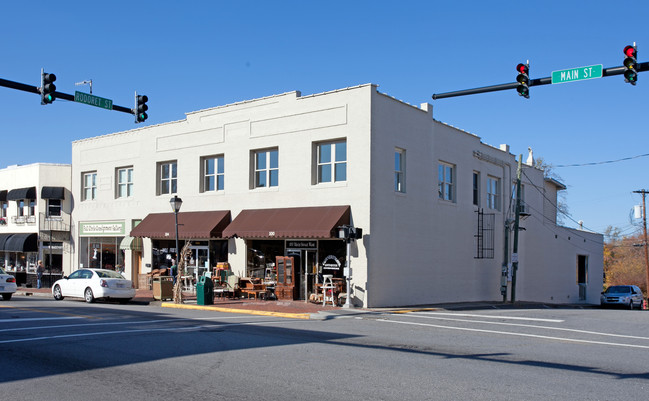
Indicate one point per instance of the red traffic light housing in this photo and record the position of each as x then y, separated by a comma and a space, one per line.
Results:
630, 62
523, 80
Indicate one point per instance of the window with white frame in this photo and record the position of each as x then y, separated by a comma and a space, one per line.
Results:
21, 207
31, 210
332, 161
167, 178
213, 172
88, 186
266, 168
493, 193
124, 177
399, 170
446, 181
3, 210
476, 188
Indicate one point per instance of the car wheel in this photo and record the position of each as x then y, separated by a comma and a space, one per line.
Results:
6, 297
88, 295
58, 295
631, 305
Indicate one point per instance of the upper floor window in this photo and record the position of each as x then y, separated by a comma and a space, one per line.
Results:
3, 209
332, 161
167, 178
31, 211
266, 168
476, 188
399, 170
445, 181
21, 207
124, 177
213, 173
53, 207
89, 186
493, 193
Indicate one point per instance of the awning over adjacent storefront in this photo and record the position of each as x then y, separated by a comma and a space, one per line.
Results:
297, 222
3, 240
23, 242
191, 225
22, 193
3, 195
131, 244
53, 193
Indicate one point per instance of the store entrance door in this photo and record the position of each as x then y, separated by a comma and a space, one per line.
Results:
199, 261
305, 271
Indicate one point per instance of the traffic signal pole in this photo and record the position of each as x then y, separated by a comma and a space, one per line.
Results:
607, 72
58, 95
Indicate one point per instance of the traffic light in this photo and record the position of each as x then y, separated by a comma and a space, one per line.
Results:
140, 108
630, 62
523, 80
47, 87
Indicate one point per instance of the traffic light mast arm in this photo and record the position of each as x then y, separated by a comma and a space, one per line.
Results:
607, 72
59, 95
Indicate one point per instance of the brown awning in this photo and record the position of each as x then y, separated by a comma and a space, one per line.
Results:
191, 225
298, 222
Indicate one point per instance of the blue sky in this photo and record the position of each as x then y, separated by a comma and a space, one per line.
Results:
192, 55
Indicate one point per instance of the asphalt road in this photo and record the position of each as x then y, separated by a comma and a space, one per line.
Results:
70, 350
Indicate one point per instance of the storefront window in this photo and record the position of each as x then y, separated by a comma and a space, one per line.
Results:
331, 256
163, 252
261, 254
101, 252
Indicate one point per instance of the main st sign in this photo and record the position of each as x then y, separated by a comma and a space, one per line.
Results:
577, 74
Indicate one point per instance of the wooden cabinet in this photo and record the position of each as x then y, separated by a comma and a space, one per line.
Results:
285, 288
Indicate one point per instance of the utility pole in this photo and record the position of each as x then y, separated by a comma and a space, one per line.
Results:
644, 225
516, 222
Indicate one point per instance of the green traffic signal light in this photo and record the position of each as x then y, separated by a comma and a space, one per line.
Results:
141, 108
47, 88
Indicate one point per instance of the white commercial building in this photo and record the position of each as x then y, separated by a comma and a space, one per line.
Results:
35, 210
275, 177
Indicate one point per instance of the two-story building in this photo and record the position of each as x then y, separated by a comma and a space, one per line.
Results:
35, 210
276, 176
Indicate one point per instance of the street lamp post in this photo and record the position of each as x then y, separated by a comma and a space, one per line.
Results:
349, 233
175, 203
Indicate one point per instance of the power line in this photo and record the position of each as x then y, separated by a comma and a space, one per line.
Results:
602, 162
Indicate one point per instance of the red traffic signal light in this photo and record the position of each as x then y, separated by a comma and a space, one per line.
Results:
523, 80
630, 62
523, 68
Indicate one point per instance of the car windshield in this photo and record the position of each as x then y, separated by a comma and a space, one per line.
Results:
619, 289
108, 274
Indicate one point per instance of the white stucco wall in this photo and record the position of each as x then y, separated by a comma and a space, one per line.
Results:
416, 248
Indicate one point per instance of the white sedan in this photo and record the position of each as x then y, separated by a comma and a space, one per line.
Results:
91, 284
7, 285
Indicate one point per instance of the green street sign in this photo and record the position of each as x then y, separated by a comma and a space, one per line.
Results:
96, 101
577, 74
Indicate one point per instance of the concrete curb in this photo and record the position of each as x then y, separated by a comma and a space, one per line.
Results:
304, 316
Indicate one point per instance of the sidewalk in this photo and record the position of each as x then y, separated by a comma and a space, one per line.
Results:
290, 309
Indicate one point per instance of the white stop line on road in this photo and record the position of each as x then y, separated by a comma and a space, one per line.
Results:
515, 334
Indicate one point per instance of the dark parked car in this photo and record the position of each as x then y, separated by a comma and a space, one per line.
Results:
629, 296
